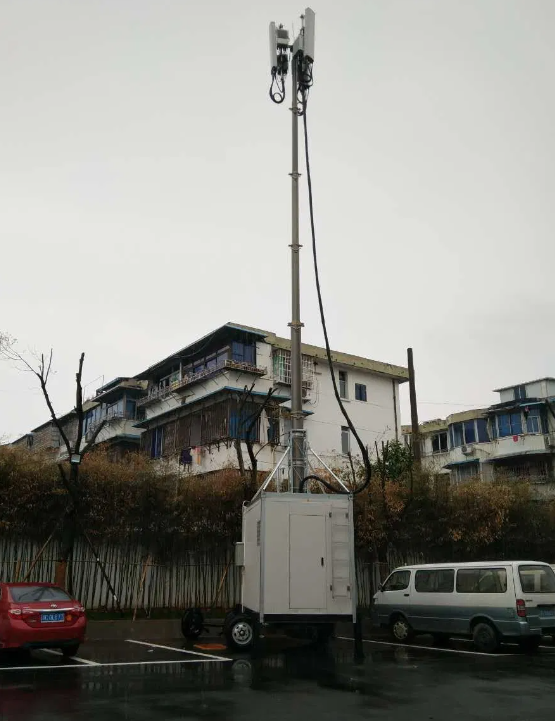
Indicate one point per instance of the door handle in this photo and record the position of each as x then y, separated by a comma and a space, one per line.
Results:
322, 560
406, 594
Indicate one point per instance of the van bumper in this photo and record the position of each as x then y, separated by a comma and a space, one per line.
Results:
526, 628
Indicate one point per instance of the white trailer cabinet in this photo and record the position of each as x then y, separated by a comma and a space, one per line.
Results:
297, 558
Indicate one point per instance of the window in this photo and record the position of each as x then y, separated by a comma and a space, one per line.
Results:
156, 445
520, 392
172, 377
243, 352
456, 435
360, 392
398, 581
130, 409
509, 424
240, 420
482, 426
469, 432
468, 470
437, 580
481, 580
115, 410
282, 366
36, 594
439, 442
536, 579
536, 422
345, 440
343, 384
273, 430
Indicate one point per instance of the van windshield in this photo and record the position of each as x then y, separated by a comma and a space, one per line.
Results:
537, 579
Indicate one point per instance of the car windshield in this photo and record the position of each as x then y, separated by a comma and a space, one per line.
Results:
33, 594
537, 579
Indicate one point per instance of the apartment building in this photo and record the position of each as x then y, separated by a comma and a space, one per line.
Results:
114, 405
512, 438
189, 409
195, 406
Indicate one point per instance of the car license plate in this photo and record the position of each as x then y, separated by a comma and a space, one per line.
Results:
547, 612
51, 617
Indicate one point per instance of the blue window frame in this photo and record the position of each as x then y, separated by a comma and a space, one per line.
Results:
469, 432
520, 392
360, 392
130, 409
239, 422
457, 435
243, 352
482, 426
509, 424
157, 442
536, 421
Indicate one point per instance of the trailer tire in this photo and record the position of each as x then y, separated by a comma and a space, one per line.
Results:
192, 623
241, 632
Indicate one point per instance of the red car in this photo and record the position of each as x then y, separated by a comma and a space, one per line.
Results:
40, 615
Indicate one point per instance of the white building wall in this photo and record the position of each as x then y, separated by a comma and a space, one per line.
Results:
373, 419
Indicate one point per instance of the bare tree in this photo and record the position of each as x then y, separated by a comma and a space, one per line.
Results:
42, 369
245, 427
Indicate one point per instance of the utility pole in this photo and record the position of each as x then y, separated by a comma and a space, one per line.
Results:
301, 55
416, 448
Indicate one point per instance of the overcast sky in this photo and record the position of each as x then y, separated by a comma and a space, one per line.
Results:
146, 200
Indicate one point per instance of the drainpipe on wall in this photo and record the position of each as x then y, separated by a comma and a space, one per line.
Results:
394, 387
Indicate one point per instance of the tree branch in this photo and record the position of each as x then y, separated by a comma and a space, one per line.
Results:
79, 404
94, 436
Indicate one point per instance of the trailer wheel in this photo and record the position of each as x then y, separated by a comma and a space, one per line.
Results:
241, 632
192, 623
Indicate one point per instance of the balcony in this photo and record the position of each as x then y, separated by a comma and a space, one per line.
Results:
118, 416
178, 386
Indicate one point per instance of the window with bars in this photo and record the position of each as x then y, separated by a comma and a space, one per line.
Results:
282, 366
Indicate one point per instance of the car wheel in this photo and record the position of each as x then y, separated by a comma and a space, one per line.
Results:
192, 623
70, 651
401, 630
485, 638
241, 633
530, 644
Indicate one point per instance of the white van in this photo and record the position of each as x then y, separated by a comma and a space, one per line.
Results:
490, 602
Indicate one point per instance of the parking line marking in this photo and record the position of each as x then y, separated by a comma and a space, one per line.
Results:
179, 650
37, 668
107, 665
75, 658
432, 648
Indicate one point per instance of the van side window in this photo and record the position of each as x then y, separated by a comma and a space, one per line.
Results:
398, 581
481, 580
536, 579
435, 580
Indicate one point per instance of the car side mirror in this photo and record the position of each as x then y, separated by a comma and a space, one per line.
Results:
380, 587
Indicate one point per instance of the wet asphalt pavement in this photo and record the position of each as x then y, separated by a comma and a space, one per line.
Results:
169, 680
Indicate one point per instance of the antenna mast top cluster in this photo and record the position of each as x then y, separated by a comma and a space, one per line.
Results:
281, 52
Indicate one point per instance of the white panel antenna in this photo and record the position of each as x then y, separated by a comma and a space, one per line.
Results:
273, 46
308, 35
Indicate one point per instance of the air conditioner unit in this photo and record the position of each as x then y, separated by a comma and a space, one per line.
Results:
467, 450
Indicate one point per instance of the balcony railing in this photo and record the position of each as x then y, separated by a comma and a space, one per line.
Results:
177, 386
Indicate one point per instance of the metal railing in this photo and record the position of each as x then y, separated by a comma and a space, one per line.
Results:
160, 393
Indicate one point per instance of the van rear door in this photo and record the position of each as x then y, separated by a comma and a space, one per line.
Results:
537, 586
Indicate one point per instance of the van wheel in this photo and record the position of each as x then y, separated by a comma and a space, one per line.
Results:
401, 630
485, 638
530, 644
